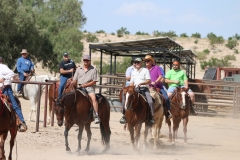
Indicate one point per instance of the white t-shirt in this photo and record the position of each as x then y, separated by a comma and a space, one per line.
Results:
139, 76
6, 73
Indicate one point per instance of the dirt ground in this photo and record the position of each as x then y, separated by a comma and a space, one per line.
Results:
209, 137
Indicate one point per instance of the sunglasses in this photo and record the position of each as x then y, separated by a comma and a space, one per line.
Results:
147, 61
175, 64
136, 62
86, 60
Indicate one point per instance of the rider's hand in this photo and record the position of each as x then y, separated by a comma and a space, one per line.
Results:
139, 85
71, 70
176, 81
153, 83
25, 74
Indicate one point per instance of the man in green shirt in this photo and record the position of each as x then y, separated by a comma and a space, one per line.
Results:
177, 78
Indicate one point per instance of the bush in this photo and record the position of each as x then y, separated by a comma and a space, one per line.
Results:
119, 33
230, 57
235, 51
207, 51
85, 31
112, 33
141, 33
100, 31
196, 41
183, 35
122, 31
231, 43
215, 62
201, 55
91, 38
215, 39
236, 36
164, 34
196, 35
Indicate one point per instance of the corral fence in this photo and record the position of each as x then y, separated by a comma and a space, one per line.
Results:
222, 98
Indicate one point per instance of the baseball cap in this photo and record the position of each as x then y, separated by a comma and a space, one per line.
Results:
138, 59
87, 57
65, 54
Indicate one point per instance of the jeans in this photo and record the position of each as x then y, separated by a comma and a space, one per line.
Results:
22, 78
63, 81
8, 92
164, 93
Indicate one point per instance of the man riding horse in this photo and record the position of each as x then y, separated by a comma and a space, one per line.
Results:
140, 79
177, 78
6, 86
86, 78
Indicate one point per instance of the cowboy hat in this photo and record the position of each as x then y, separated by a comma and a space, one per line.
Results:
148, 57
24, 51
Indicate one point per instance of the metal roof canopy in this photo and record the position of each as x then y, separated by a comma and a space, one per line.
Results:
160, 48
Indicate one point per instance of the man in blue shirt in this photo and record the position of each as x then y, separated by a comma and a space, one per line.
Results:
129, 72
24, 67
66, 68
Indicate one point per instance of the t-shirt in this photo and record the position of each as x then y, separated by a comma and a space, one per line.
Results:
139, 76
163, 74
83, 77
176, 75
24, 65
129, 72
67, 65
155, 73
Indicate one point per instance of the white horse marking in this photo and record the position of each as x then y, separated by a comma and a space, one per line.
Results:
183, 98
125, 105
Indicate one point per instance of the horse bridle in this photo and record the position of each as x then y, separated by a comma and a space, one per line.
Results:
178, 101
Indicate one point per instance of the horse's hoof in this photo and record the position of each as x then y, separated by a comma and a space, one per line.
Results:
106, 149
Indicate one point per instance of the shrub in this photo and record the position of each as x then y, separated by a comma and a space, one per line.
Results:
85, 31
196, 35
215, 62
100, 31
112, 33
183, 35
207, 51
91, 38
232, 43
141, 33
164, 34
236, 36
119, 33
196, 41
122, 31
235, 51
214, 39
230, 57
201, 55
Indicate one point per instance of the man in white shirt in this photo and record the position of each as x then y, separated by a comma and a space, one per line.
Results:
141, 78
6, 86
129, 72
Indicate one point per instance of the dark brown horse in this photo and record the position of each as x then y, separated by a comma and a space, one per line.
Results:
137, 112
76, 108
180, 108
8, 122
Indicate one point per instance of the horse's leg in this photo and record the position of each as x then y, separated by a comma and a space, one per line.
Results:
33, 100
169, 130
67, 128
176, 133
13, 132
147, 127
137, 130
80, 126
89, 135
185, 122
49, 112
2, 141
131, 130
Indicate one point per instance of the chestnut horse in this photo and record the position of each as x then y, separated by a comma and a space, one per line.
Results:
7, 123
76, 108
180, 108
137, 112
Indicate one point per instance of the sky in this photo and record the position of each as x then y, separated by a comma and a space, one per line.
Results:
222, 17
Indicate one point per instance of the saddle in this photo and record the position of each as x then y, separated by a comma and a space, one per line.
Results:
85, 93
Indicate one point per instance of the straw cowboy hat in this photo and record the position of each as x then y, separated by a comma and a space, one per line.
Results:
24, 51
149, 58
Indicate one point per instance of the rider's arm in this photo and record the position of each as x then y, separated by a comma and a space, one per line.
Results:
186, 83
19, 69
171, 81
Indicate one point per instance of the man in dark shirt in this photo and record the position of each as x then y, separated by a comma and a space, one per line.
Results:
67, 68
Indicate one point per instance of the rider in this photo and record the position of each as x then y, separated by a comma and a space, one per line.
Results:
156, 77
141, 78
66, 68
24, 67
177, 78
129, 72
86, 77
6, 85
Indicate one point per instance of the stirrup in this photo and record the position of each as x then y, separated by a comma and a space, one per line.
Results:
96, 120
151, 120
169, 114
123, 120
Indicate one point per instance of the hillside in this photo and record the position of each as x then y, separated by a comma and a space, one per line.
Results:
188, 43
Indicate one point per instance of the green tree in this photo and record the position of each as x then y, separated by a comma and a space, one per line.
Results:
231, 43
183, 35
196, 35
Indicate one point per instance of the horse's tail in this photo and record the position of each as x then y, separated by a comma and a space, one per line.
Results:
105, 134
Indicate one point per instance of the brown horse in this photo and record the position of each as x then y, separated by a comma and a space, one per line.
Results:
180, 108
76, 108
8, 122
137, 112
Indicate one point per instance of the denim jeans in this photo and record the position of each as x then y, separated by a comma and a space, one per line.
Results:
8, 92
22, 78
63, 81
164, 93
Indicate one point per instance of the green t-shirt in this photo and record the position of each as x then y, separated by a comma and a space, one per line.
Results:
176, 75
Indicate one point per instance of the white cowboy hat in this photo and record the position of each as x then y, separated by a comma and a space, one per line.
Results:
24, 51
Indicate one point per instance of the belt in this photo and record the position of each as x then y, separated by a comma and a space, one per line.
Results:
7, 86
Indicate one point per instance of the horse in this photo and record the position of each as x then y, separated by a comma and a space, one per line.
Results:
180, 108
137, 112
31, 92
76, 108
8, 122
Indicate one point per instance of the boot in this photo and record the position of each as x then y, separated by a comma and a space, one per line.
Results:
123, 120
22, 127
19, 94
193, 111
151, 119
96, 118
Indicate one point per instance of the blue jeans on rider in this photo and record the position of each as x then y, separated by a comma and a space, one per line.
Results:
164, 93
22, 78
8, 92
171, 89
63, 81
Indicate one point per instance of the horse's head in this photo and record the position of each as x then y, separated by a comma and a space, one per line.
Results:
130, 97
70, 86
59, 112
182, 97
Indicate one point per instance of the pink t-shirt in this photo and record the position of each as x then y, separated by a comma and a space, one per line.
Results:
155, 72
